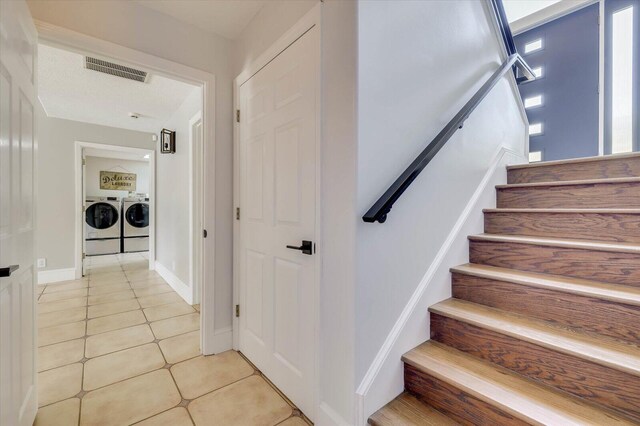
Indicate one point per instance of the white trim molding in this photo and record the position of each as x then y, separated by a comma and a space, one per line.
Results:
384, 379
56, 275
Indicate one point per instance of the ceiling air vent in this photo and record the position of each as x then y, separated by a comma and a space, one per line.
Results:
115, 69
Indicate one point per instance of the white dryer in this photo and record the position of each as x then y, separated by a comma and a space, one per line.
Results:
135, 235
102, 225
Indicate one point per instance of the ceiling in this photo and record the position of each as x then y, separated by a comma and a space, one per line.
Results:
68, 90
226, 18
517, 9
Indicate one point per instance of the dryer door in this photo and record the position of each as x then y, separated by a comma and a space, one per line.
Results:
102, 220
137, 220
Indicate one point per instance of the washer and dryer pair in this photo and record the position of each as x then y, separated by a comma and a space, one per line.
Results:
106, 232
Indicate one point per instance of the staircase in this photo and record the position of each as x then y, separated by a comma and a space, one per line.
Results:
544, 323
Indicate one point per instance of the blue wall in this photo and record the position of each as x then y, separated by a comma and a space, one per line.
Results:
569, 86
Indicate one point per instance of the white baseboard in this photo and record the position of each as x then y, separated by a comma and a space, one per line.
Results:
56, 275
181, 288
222, 341
327, 416
384, 378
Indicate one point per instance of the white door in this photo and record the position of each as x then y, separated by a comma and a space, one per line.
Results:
278, 162
18, 45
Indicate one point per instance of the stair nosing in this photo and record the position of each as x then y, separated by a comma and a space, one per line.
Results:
570, 182
540, 333
563, 211
559, 242
578, 286
574, 161
540, 411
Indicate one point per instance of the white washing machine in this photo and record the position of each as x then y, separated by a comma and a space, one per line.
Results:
102, 225
135, 229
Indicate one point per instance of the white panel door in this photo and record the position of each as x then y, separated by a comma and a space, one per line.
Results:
278, 172
18, 45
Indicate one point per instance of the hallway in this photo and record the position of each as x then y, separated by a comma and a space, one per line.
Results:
120, 347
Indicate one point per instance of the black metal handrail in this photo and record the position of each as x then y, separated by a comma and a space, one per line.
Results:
378, 212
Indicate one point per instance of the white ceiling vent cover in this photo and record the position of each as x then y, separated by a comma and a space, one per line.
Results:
115, 69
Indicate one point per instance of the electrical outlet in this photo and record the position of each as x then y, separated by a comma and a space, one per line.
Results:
42, 263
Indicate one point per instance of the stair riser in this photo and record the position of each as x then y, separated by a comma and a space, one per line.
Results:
593, 382
610, 227
618, 168
599, 316
612, 267
597, 195
455, 403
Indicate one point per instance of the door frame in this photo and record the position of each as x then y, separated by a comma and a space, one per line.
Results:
307, 22
64, 38
79, 148
196, 208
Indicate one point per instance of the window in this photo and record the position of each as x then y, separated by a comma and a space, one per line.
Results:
538, 72
533, 101
622, 81
533, 46
535, 129
535, 156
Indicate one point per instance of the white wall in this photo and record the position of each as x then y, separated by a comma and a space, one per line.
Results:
94, 165
56, 207
419, 62
172, 194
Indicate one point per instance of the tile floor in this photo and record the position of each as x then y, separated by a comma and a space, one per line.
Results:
120, 347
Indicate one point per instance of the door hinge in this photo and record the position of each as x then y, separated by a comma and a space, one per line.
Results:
204, 233
84, 255
84, 162
237, 213
237, 116
237, 311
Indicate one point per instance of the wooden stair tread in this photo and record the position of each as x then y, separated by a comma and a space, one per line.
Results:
601, 351
407, 410
595, 289
574, 161
580, 211
570, 183
559, 242
497, 386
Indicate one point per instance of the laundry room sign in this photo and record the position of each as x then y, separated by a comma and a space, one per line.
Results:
118, 181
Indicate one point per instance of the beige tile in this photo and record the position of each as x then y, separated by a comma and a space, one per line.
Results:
176, 325
134, 265
159, 299
115, 322
106, 289
66, 286
107, 282
294, 421
59, 383
147, 283
248, 402
182, 347
63, 413
62, 295
111, 308
174, 417
60, 305
154, 289
141, 274
50, 319
99, 270
167, 311
61, 333
111, 297
130, 401
117, 340
107, 276
200, 375
118, 366
60, 354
